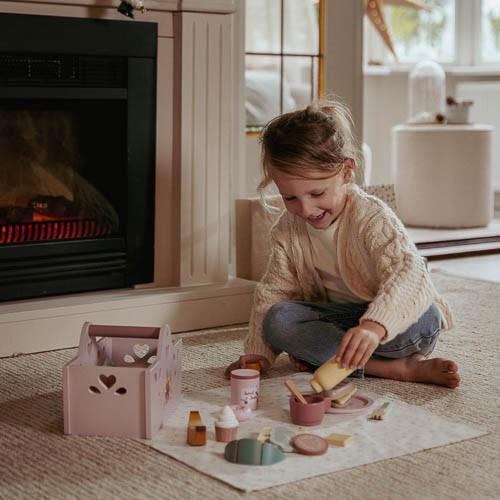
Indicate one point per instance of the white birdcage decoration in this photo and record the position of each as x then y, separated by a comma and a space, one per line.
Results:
427, 92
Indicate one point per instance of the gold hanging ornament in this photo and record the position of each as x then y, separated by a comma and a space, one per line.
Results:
374, 9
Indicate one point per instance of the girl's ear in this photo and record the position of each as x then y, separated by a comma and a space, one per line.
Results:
349, 166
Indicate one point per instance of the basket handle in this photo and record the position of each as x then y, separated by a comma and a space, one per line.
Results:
147, 332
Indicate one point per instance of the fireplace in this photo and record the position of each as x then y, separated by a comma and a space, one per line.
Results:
197, 145
77, 154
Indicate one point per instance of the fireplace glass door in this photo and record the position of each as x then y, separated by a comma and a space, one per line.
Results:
77, 154
63, 170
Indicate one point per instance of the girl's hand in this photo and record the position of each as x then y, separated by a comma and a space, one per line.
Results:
358, 344
248, 361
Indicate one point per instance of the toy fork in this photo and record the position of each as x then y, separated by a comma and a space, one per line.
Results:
379, 413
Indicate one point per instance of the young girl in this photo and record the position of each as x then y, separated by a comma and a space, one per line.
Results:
343, 278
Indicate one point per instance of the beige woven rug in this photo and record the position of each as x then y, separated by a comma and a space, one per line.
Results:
37, 461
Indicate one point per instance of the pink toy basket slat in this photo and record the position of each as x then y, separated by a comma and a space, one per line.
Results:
125, 381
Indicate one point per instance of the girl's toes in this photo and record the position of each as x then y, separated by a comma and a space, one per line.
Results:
453, 379
450, 366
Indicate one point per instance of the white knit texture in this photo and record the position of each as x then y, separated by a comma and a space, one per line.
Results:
377, 261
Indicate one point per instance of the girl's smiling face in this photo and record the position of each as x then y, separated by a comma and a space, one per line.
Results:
317, 199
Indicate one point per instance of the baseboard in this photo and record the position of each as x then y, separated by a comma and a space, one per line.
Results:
466, 250
54, 323
497, 201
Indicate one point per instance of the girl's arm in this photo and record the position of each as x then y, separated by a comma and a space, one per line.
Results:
278, 283
405, 288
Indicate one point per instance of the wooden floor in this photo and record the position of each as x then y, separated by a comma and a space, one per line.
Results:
484, 267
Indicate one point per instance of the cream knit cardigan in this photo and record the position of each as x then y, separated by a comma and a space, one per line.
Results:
377, 262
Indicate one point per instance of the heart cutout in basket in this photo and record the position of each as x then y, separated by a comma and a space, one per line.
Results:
107, 380
140, 350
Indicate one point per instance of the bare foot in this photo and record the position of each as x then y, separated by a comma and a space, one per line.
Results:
416, 368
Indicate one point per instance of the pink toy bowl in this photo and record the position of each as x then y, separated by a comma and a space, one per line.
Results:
310, 414
126, 384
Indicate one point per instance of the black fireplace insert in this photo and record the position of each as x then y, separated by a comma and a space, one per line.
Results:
77, 154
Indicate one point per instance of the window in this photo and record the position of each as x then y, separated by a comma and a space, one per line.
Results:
453, 32
283, 60
490, 31
421, 34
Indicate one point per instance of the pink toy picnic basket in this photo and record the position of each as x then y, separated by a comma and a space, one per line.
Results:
124, 384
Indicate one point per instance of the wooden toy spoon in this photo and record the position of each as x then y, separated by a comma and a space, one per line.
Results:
295, 391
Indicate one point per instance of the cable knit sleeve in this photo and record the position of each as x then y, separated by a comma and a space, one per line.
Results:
278, 283
405, 289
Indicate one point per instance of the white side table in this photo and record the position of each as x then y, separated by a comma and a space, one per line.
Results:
443, 174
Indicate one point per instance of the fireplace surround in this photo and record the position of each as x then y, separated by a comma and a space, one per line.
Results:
77, 149
199, 141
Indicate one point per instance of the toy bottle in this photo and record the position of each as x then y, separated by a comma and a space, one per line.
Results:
328, 375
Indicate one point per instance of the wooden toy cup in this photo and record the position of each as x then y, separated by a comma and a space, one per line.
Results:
311, 413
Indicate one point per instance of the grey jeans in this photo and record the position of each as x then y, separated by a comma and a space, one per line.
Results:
312, 332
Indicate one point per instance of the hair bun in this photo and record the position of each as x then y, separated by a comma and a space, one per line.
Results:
312, 113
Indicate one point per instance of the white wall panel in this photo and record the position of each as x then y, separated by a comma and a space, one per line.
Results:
206, 132
486, 109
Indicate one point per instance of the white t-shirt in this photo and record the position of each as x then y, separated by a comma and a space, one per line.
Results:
326, 263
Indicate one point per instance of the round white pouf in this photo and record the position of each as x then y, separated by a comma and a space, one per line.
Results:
443, 175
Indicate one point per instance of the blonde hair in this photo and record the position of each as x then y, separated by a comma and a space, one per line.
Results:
316, 139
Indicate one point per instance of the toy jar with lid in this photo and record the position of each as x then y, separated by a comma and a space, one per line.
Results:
427, 92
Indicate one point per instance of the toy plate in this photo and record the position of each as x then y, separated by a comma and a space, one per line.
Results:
340, 390
357, 404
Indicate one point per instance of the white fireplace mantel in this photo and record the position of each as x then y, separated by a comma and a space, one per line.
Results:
214, 6
197, 135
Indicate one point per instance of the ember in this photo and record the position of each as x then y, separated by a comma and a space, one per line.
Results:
26, 232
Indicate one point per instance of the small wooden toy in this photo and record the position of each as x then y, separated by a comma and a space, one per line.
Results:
253, 452
338, 439
196, 432
245, 387
282, 436
226, 425
310, 444
359, 403
328, 375
312, 412
295, 391
264, 434
340, 390
379, 413
252, 366
341, 402
242, 412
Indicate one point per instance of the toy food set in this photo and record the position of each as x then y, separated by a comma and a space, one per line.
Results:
333, 394
135, 372
125, 381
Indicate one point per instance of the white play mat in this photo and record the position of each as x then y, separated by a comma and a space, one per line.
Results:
405, 429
